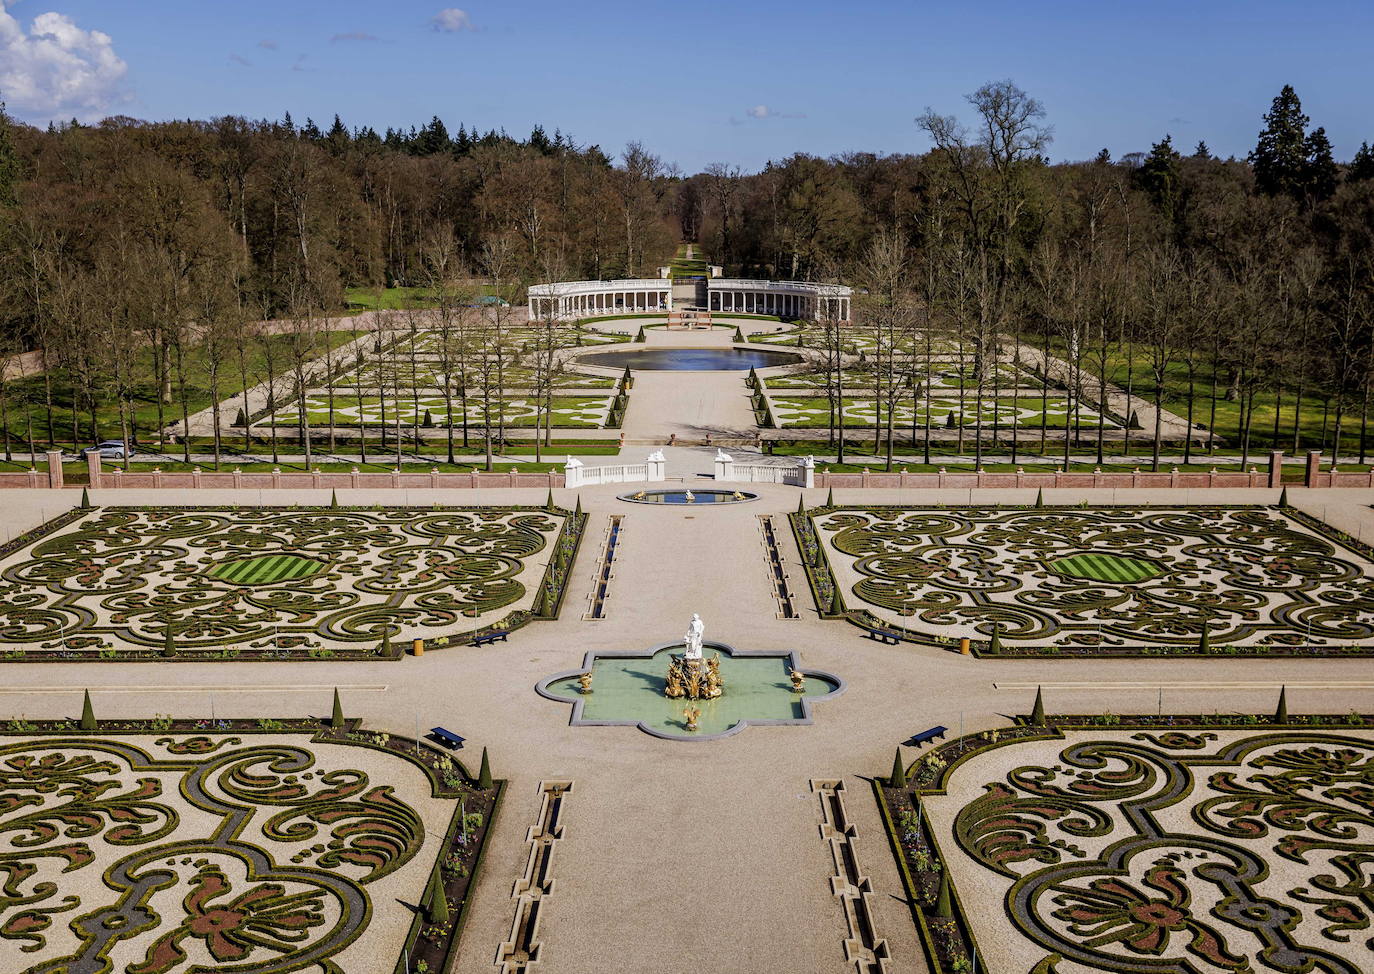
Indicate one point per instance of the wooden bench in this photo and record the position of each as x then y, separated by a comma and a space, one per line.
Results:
926, 736
447, 738
883, 635
490, 638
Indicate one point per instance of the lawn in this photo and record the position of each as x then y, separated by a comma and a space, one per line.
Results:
1318, 416
26, 396
1027, 413
585, 412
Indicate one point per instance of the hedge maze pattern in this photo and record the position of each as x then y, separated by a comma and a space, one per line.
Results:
1168, 851
1099, 578
277, 581
195, 853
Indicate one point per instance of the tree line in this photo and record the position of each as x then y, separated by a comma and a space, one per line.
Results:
1234, 291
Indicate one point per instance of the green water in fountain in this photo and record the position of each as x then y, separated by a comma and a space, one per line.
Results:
756, 688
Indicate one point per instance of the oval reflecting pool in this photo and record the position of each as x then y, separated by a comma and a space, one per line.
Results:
684, 496
691, 359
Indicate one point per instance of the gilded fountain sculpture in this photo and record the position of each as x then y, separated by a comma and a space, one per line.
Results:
690, 675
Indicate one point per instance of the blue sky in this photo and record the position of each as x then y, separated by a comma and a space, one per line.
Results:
738, 82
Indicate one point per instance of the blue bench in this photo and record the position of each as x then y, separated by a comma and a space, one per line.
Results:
926, 736
447, 738
489, 638
882, 635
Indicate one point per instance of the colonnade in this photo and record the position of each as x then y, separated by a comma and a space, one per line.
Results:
785, 299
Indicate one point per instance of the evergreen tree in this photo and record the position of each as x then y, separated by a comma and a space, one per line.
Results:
1159, 177
944, 909
9, 160
1202, 152
1281, 712
897, 779
433, 139
336, 715
1103, 158
540, 141
1037, 714
1280, 156
484, 781
338, 137
1321, 172
435, 900
1362, 166
462, 144
87, 712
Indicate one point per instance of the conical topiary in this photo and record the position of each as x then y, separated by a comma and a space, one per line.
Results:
801, 503
1040, 497
578, 509
240, 419
87, 712
336, 716
169, 645
830, 498
995, 643
484, 773
333, 498
548, 502
436, 902
1204, 643
1283, 497
944, 909
1037, 717
85, 499
897, 779
836, 603
386, 643
1281, 713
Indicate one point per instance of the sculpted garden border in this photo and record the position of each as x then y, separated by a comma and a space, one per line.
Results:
1267, 871
277, 583
1169, 580
90, 795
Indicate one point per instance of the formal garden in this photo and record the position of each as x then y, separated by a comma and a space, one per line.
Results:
575, 412
1093, 581
1032, 411
161, 846
1127, 845
150, 583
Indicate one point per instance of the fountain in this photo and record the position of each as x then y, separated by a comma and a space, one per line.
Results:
690, 675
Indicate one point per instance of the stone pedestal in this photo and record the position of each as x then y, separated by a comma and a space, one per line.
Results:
694, 679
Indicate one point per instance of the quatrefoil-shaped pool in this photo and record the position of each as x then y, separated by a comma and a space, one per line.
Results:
627, 689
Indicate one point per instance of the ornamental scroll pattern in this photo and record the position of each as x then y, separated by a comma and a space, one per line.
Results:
253, 859
130, 576
1248, 576
1187, 854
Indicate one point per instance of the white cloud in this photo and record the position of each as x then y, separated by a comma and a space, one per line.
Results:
760, 113
451, 21
57, 70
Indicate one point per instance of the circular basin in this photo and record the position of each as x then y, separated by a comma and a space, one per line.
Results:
691, 359
681, 497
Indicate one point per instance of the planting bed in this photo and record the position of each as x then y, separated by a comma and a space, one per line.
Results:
161, 847
1174, 844
1090, 581
271, 582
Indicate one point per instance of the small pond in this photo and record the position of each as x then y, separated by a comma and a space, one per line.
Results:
691, 359
688, 497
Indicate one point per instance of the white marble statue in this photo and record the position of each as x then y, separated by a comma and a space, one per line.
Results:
695, 630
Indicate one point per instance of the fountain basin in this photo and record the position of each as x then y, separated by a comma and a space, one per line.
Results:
707, 496
691, 359
627, 689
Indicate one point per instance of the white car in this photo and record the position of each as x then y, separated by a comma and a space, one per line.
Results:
108, 450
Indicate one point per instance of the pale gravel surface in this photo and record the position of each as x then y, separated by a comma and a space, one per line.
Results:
682, 858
